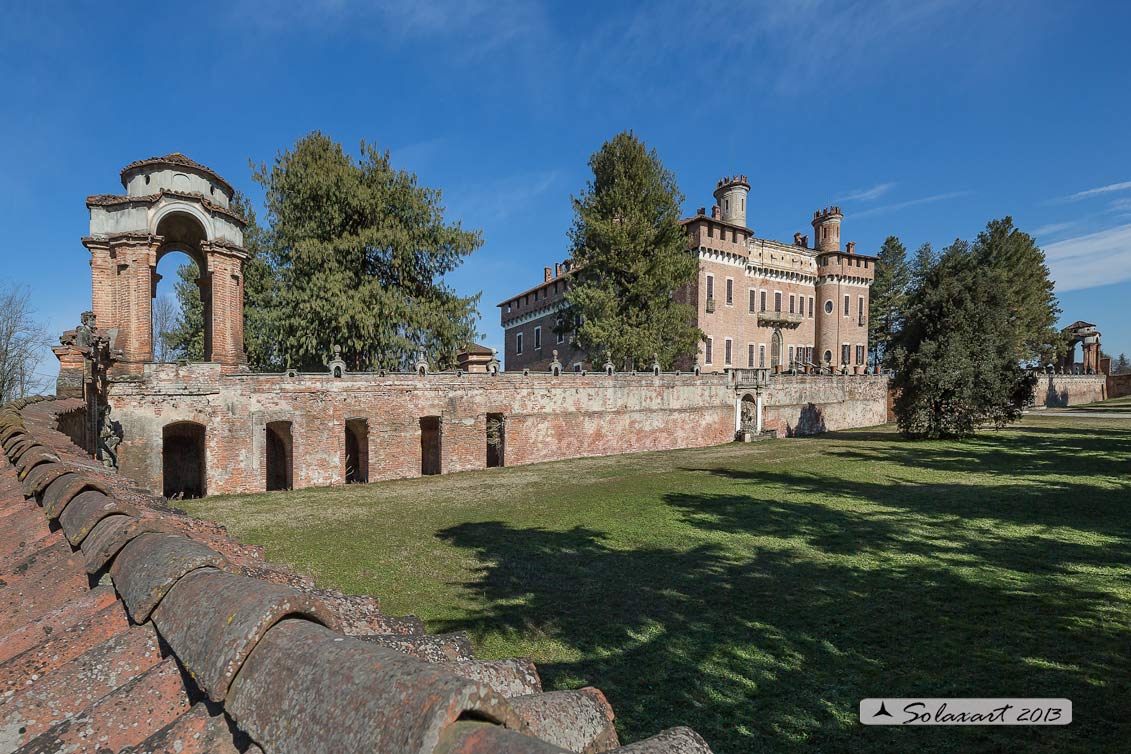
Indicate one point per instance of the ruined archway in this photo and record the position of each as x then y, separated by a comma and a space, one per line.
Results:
183, 460
496, 440
429, 445
357, 451
279, 461
183, 236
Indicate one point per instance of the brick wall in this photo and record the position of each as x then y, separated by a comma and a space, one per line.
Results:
1118, 385
547, 418
1059, 390
810, 404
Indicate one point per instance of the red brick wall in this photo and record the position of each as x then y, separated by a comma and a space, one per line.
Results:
547, 418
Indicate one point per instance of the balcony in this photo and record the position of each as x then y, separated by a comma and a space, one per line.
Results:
710, 306
780, 318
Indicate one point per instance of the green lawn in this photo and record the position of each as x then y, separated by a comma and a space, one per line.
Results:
757, 592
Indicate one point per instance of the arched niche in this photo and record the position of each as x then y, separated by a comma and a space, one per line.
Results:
183, 460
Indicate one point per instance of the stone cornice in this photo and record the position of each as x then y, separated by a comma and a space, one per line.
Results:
113, 200
530, 316
845, 280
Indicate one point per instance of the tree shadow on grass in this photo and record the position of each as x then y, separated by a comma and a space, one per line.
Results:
769, 645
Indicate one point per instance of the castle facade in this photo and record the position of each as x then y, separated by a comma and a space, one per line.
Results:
761, 303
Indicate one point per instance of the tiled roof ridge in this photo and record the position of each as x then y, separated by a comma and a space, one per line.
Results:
229, 653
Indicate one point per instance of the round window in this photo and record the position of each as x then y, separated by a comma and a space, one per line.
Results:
829, 306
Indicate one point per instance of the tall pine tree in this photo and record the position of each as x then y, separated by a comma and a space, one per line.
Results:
887, 297
630, 259
357, 255
1032, 304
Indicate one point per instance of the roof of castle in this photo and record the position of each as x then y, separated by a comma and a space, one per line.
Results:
1079, 325
175, 160
132, 627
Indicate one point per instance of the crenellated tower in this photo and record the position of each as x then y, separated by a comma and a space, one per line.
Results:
730, 196
826, 229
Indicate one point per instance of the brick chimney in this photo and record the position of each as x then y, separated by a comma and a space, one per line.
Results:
851, 246
716, 212
557, 269
549, 274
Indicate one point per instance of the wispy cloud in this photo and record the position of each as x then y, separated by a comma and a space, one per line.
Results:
866, 195
887, 208
1087, 261
498, 199
1098, 191
1052, 228
1121, 205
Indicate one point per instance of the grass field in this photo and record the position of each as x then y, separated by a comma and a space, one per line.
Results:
758, 592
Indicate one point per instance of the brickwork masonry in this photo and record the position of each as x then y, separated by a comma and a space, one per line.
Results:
546, 418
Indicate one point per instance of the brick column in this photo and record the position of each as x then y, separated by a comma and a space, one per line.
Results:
134, 259
101, 281
225, 277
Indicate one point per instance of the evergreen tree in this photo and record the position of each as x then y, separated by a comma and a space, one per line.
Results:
888, 294
922, 263
357, 253
956, 369
1032, 302
1121, 365
185, 339
630, 259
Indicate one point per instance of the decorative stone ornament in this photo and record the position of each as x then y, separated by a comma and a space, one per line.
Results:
337, 365
609, 368
655, 365
421, 366
555, 365
493, 364
698, 369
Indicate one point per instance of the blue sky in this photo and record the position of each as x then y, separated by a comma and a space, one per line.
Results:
921, 119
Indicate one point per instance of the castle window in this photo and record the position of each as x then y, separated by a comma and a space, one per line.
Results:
828, 356
730, 292
829, 306
791, 354
537, 338
810, 307
777, 301
792, 304
558, 327
763, 300
844, 354
726, 204
726, 351
709, 348
861, 308
761, 357
710, 287
846, 307
710, 231
753, 300
859, 354
750, 355
518, 343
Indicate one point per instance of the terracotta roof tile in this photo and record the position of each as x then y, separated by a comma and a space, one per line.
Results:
175, 160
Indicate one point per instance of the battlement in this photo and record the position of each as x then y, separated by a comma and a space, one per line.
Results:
827, 213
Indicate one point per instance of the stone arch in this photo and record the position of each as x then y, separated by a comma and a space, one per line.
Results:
183, 460
182, 228
748, 408
777, 351
181, 212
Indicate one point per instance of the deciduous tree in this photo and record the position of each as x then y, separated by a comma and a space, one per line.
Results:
630, 259
22, 340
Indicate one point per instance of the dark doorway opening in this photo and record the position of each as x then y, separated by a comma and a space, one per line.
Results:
429, 445
496, 439
280, 456
357, 451
182, 460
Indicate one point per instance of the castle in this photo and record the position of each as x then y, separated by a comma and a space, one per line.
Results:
761, 303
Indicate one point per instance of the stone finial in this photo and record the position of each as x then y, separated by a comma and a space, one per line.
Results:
555, 365
609, 368
337, 364
656, 364
421, 365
